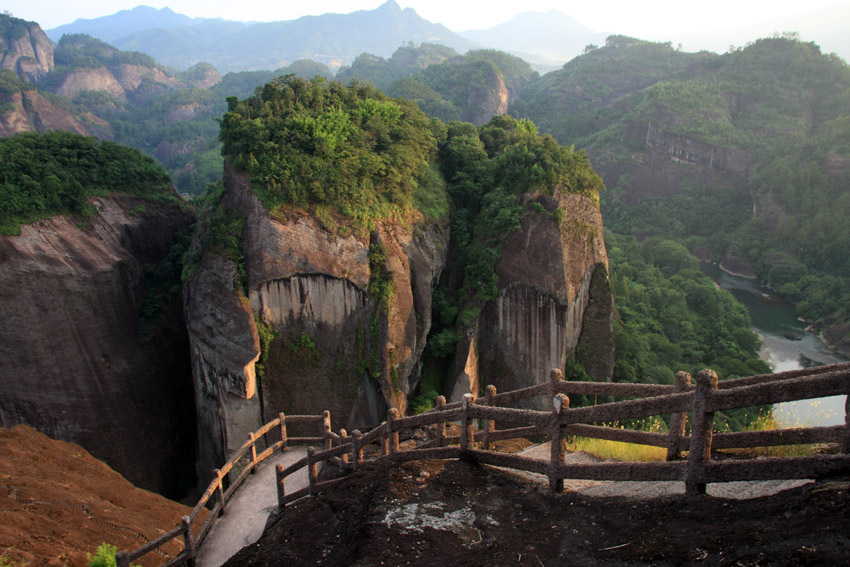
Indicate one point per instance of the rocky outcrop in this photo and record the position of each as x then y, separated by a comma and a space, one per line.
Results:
486, 100
34, 113
96, 79
334, 345
669, 161
25, 49
73, 362
554, 302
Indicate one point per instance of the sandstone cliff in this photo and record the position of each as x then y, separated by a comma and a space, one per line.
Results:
334, 345
24, 49
554, 302
28, 111
487, 99
669, 161
72, 360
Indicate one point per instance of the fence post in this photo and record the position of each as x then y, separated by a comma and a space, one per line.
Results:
326, 421
699, 452
356, 449
343, 439
392, 431
467, 431
220, 487
489, 424
122, 559
677, 420
560, 403
554, 377
846, 447
441, 426
284, 440
281, 485
188, 543
253, 453
312, 470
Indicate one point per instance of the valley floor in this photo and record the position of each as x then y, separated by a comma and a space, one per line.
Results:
460, 513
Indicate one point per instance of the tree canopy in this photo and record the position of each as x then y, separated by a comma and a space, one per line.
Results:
46, 174
351, 148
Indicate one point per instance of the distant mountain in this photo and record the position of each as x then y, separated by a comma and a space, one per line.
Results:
828, 27
124, 23
332, 39
547, 38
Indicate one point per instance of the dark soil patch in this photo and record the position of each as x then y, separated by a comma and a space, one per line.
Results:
459, 513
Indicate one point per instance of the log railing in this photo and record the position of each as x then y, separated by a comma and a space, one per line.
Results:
559, 422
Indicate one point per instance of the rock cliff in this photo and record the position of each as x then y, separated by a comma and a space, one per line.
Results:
554, 302
669, 161
24, 49
487, 99
330, 343
28, 111
72, 358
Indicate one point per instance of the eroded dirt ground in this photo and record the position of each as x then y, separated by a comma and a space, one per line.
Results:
460, 513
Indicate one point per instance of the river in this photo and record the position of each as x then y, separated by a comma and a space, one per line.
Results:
772, 318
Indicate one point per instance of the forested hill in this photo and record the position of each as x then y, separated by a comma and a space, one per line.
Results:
744, 157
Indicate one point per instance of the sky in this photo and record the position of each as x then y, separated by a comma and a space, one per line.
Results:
640, 18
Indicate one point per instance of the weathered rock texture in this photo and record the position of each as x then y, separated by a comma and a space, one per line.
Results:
25, 49
34, 113
669, 161
554, 296
486, 100
72, 362
335, 347
97, 79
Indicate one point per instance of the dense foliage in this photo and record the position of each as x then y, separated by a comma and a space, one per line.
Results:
487, 169
438, 79
781, 103
672, 317
47, 174
348, 148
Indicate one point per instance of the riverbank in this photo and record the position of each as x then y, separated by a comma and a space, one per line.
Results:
835, 334
775, 320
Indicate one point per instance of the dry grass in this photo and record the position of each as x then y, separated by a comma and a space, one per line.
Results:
629, 452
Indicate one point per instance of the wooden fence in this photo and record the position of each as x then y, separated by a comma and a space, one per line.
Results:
702, 400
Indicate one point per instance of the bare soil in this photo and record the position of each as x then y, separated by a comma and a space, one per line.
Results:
59, 503
459, 513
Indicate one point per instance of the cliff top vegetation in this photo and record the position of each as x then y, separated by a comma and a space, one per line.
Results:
349, 149
42, 175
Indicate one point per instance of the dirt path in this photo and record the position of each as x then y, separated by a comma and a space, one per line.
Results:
730, 490
249, 509
458, 513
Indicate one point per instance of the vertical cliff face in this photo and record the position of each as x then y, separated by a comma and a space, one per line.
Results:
72, 357
33, 113
486, 100
24, 49
554, 302
670, 161
327, 341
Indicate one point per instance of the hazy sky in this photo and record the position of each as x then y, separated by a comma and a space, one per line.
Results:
641, 18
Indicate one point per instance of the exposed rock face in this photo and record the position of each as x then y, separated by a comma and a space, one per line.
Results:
484, 101
553, 295
670, 161
98, 79
25, 49
72, 361
336, 348
34, 113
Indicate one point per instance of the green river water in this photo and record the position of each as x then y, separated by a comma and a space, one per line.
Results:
772, 318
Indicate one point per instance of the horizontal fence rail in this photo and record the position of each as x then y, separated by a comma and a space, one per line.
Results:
682, 401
